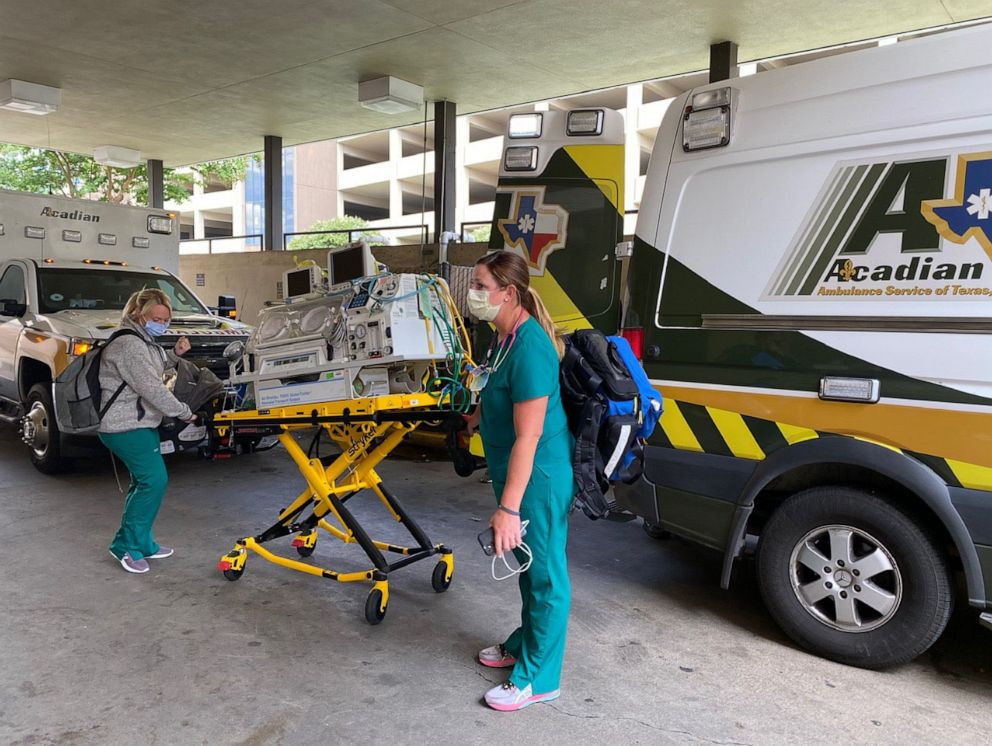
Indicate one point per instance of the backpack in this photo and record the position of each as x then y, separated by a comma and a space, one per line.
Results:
611, 409
77, 394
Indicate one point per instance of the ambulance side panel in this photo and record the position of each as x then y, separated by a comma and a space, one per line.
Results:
832, 237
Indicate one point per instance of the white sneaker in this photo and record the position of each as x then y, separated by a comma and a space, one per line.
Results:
131, 565
508, 698
162, 553
496, 657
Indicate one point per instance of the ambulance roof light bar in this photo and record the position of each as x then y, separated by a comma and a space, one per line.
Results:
584, 122
525, 125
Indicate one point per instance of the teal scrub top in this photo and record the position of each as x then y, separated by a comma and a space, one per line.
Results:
529, 371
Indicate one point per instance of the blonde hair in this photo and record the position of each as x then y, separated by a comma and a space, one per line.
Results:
508, 269
142, 302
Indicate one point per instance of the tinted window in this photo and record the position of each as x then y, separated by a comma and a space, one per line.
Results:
60, 289
12, 285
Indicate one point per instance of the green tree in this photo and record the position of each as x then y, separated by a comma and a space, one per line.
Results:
73, 175
481, 234
327, 240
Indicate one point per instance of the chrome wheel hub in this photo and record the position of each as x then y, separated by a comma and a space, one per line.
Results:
845, 578
34, 429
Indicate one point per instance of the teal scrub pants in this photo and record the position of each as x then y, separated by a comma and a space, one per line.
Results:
138, 449
538, 643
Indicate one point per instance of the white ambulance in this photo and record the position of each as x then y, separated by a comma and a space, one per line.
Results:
67, 267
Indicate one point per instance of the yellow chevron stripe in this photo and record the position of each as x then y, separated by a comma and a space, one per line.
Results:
677, 429
563, 310
971, 476
735, 431
603, 164
795, 434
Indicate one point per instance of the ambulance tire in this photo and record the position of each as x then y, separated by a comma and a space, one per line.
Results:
884, 592
46, 452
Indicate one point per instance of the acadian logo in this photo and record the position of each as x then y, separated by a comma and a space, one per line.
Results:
886, 229
535, 229
51, 212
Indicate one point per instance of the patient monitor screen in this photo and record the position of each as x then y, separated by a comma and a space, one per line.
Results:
298, 282
347, 265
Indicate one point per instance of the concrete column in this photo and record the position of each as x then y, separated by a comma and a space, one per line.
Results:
395, 190
723, 61
461, 173
272, 156
156, 184
444, 167
198, 231
238, 215
632, 150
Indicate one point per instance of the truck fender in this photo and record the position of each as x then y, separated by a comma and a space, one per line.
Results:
896, 465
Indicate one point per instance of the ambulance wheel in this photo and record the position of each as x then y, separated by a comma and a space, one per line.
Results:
234, 574
655, 531
438, 582
852, 578
305, 551
374, 613
40, 431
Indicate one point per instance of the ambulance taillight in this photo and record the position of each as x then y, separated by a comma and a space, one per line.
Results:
635, 338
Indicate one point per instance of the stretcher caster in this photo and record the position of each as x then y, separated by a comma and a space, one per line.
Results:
441, 577
375, 607
305, 543
232, 564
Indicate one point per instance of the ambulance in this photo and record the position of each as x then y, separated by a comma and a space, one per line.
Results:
810, 288
67, 267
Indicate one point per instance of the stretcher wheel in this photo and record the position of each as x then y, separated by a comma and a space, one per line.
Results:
305, 551
374, 613
233, 574
438, 581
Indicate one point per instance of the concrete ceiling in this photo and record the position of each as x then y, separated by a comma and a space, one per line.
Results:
189, 80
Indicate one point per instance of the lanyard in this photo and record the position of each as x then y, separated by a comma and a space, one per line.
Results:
480, 375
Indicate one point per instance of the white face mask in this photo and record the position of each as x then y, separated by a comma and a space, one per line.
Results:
480, 307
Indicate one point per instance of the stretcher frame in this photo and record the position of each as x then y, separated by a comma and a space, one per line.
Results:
367, 430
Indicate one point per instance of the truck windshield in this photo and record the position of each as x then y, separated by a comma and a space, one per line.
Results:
60, 289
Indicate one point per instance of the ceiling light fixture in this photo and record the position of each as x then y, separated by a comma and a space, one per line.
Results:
29, 98
390, 95
116, 156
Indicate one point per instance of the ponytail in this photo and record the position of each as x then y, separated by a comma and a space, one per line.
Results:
533, 304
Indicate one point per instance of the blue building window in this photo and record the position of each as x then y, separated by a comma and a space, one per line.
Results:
255, 197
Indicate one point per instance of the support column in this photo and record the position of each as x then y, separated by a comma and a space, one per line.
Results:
156, 184
723, 61
272, 165
444, 168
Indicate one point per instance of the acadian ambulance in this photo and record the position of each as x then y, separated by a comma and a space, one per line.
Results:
886, 230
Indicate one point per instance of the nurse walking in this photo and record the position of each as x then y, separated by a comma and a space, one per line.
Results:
529, 453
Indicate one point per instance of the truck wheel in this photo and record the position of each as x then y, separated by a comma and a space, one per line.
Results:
852, 578
41, 432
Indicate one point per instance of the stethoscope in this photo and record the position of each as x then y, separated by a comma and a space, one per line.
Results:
481, 373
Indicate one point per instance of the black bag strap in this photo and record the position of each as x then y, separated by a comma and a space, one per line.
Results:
105, 409
116, 335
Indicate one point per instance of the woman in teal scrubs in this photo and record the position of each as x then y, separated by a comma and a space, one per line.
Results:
529, 454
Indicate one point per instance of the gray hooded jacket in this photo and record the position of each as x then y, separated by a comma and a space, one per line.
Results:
140, 363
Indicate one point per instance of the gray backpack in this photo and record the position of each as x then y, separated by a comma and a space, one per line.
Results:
77, 395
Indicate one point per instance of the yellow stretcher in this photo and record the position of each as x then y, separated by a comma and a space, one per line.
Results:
366, 430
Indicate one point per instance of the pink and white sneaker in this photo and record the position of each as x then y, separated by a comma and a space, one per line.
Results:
496, 657
508, 698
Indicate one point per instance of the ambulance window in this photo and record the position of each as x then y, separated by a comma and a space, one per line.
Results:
12, 285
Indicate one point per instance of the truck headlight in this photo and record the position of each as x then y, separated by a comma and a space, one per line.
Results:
79, 347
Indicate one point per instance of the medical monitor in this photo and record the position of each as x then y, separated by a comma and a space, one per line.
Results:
349, 263
304, 281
